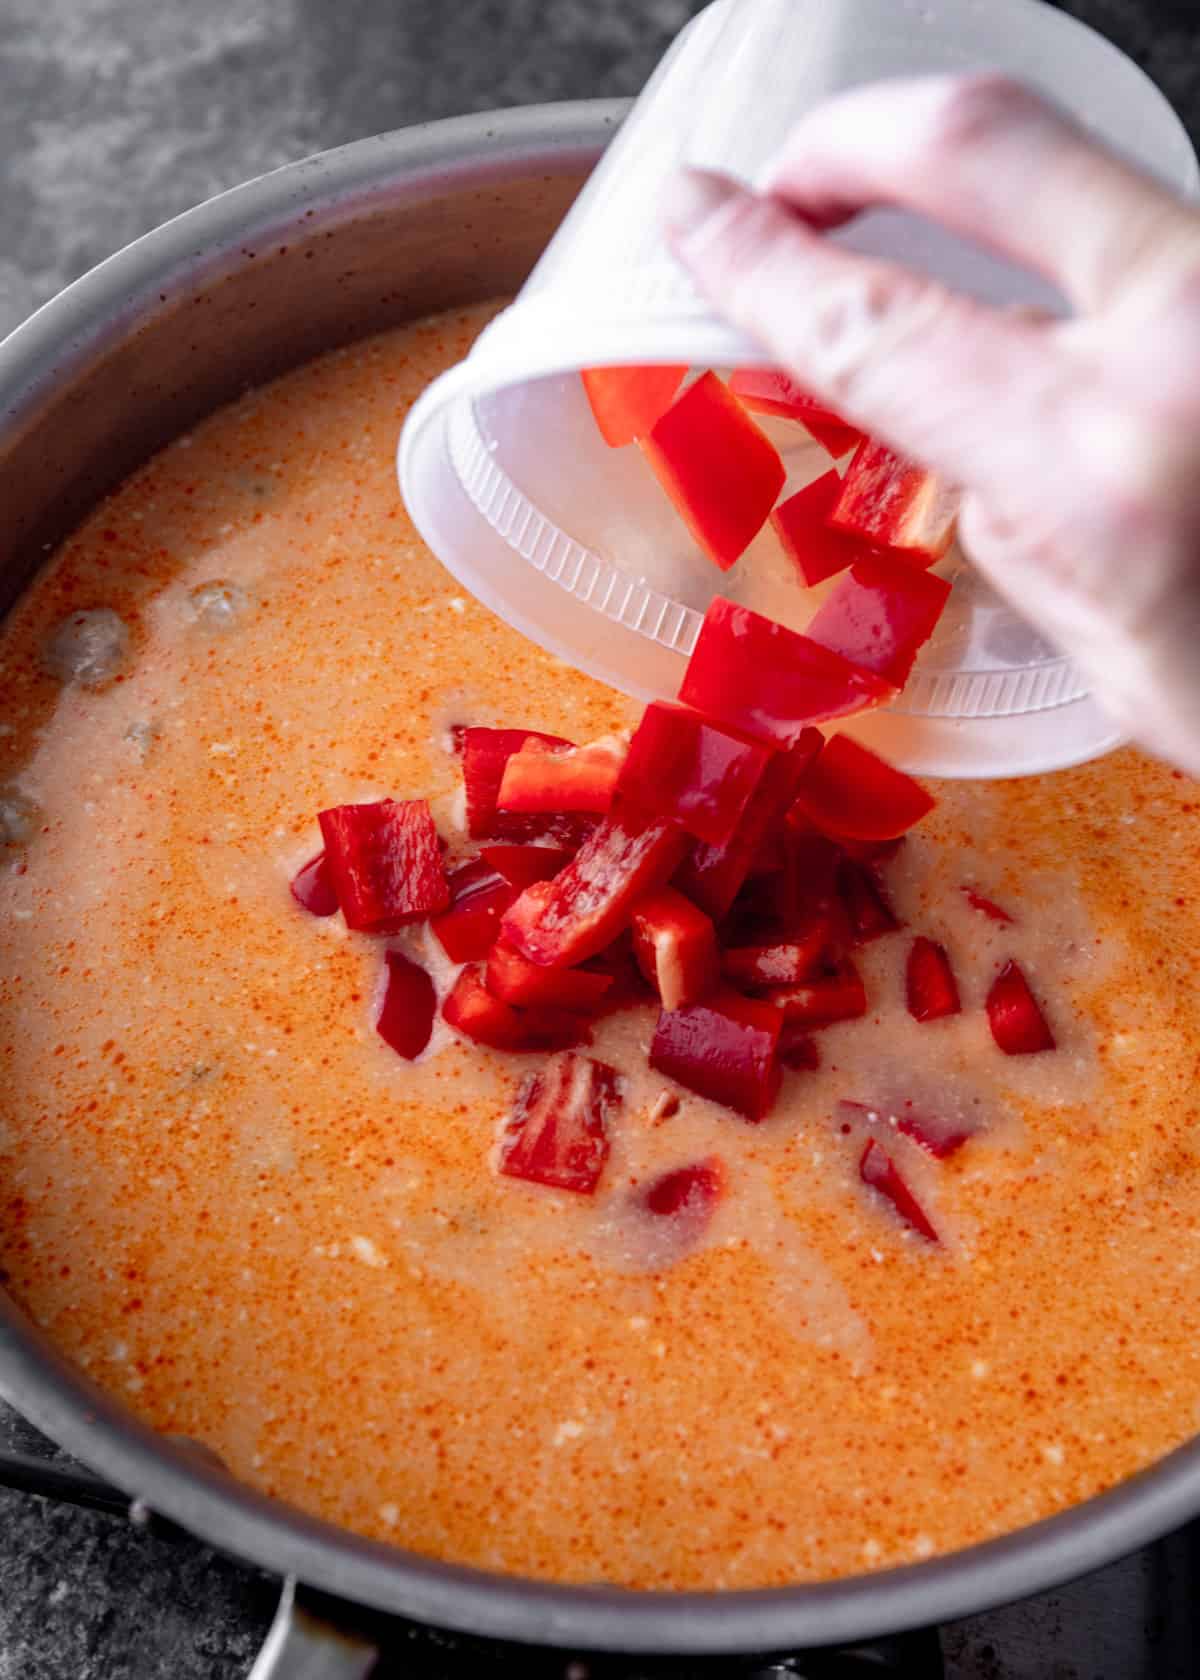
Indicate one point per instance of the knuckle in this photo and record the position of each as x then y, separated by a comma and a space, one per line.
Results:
865, 321
971, 109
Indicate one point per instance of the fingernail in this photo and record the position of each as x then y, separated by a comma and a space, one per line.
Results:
691, 197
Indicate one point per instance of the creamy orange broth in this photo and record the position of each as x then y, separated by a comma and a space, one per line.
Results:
243, 1214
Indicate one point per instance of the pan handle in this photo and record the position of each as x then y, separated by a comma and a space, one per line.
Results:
304, 1645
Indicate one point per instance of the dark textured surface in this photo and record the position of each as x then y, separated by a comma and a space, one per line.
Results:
116, 114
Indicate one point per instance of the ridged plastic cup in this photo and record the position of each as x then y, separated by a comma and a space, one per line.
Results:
576, 545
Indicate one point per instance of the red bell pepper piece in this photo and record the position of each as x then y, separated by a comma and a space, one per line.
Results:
558, 1131
712, 876
482, 890
868, 913
877, 1169
851, 793
802, 526
873, 852
1015, 1017
721, 470
541, 778
682, 767
409, 1003
690, 1193
814, 861
880, 616
479, 896
626, 401
838, 995
472, 1010
628, 986
891, 502
986, 906
675, 945
516, 980
562, 922
312, 888
763, 680
797, 1050
521, 866
932, 990
936, 1135
771, 391
485, 754
385, 862
784, 963
723, 1048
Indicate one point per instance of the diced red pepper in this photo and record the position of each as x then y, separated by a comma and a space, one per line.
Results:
802, 526
313, 889
541, 778
690, 1193
723, 1048
785, 963
516, 980
628, 987
521, 866
626, 401
409, 1004
895, 504
472, 1010
712, 876
838, 995
385, 862
721, 470
814, 860
479, 896
558, 1131
986, 906
932, 990
770, 682
797, 1050
772, 854
676, 947
561, 922
1015, 1017
937, 1135
880, 616
693, 772
868, 913
851, 793
877, 1169
485, 754
874, 852
771, 391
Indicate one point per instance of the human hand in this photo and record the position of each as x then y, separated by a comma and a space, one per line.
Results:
1077, 441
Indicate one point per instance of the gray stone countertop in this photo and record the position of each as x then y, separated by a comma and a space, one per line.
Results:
115, 115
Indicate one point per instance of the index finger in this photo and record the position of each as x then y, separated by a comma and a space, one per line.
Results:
992, 160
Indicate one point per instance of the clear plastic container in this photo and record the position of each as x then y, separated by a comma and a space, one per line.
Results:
576, 545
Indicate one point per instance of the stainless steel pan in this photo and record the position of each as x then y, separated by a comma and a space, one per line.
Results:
236, 291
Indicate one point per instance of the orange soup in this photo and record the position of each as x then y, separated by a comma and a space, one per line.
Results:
240, 1211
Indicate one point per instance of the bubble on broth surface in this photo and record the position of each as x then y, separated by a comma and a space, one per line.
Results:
18, 817
88, 647
141, 735
218, 605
